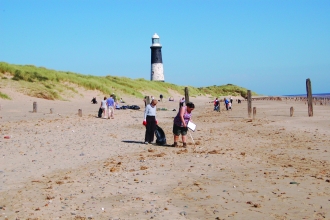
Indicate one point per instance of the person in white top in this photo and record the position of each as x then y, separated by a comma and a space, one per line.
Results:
104, 106
182, 101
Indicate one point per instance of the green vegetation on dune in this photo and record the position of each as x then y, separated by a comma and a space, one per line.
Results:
50, 84
4, 96
226, 90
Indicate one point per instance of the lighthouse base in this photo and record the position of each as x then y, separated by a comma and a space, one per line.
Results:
157, 72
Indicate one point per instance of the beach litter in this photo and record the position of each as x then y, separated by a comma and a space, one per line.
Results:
183, 213
294, 183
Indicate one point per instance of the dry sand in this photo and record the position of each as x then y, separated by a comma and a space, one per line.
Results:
62, 166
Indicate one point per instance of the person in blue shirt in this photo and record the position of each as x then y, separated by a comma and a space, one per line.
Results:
226, 103
111, 106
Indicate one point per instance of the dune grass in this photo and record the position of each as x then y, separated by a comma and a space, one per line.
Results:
51, 84
4, 96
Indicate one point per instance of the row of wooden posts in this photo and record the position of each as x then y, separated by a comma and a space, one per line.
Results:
309, 101
249, 101
35, 109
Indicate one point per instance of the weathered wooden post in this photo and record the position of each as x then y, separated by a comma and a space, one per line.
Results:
309, 97
51, 111
80, 112
291, 111
249, 103
35, 107
186, 94
254, 112
147, 101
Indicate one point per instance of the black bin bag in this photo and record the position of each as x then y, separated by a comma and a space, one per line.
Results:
160, 135
99, 114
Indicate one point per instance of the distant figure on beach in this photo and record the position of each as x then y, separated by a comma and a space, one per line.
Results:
226, 103
94, 100
231, 100
171, 99
180, 123
104, 106
114, 97
150, 121
161, 97
216, 105
238, 101
182, 102
145, 101
121, 100
111, 106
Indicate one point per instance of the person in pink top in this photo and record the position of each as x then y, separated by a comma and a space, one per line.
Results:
180, 123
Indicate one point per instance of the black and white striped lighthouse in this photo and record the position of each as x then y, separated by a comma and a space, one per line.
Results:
157, 70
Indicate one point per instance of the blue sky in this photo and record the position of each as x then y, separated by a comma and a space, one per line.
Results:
268, 46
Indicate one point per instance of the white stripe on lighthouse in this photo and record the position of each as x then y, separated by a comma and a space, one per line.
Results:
157, 72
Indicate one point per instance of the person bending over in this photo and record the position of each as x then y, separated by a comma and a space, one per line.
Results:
180, 123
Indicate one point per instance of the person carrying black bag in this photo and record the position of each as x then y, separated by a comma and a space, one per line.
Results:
150, 121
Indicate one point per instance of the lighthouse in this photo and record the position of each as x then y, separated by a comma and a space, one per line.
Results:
157, 70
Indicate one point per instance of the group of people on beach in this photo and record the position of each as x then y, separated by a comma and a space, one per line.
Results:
227, 102
152, 98
108, 106
150, 122
180, 122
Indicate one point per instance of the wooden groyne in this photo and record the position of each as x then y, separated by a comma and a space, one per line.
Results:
316, 100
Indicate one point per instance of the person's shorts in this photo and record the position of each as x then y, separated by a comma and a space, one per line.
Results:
177, 130
110, 109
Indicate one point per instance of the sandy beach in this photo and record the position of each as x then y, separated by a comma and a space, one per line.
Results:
62, 166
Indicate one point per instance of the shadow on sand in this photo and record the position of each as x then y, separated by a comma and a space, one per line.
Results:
141, 142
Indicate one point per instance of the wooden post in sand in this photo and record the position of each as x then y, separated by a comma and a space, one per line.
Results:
147, 100
291, 111
186, 95
309, 97
35, 107
249, 103
254, 112
80, 112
